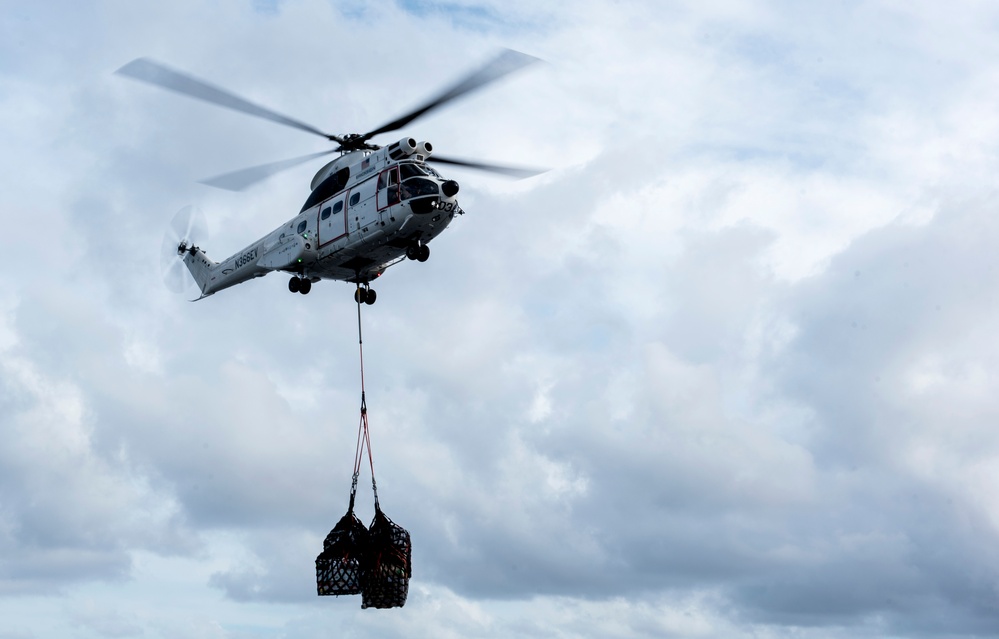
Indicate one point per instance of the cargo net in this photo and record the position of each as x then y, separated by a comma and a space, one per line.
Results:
388, 564
374, 562
340, 565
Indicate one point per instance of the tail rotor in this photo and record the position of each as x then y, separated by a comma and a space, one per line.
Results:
187, 227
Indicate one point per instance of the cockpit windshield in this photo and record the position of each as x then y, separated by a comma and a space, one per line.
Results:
409, 170
416, 187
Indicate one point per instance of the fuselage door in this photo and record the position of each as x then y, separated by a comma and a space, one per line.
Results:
388, 188
332, 220
361, 207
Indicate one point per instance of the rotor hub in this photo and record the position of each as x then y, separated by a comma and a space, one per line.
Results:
355, 142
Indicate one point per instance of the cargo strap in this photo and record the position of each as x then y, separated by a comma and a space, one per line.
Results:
363, 435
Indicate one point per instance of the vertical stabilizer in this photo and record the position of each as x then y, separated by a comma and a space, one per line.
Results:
201, 267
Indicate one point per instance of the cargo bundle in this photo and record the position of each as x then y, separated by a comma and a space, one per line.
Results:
340, 565
375, 562
388, 564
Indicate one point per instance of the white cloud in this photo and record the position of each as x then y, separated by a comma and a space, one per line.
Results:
724, 371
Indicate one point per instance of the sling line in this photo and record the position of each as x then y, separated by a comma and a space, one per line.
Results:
363, 434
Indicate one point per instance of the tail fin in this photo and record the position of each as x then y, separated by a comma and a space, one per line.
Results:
201, 267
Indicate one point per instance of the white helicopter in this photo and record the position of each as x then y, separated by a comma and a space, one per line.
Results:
369, 209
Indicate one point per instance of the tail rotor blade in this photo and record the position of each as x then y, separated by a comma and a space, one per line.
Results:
172, 268
187, 226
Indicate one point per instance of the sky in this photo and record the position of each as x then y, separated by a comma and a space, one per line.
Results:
725, 370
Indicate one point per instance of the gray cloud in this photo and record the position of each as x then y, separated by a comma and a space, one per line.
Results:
726, 370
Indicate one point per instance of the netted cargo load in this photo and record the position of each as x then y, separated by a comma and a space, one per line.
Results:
375, 562
340, 566
388, 564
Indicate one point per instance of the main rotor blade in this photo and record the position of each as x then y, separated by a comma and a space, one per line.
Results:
510, 171
244, 178
505, 64
155, 73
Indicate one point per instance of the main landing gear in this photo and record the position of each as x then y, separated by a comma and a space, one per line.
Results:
419, 252
300, 285
365, 295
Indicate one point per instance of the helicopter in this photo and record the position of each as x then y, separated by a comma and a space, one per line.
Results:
370, 208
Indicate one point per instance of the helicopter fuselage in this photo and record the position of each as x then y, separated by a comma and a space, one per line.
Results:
367, 211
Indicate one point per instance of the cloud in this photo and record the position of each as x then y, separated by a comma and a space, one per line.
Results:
70, 511
725, 370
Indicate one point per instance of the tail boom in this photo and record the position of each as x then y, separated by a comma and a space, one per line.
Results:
213, 277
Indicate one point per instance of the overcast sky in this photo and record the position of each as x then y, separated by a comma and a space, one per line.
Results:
727, 370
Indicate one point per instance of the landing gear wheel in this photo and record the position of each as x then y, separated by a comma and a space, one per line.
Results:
413, 251
370, 296
294, 284
361, 295
423, 254
305, 286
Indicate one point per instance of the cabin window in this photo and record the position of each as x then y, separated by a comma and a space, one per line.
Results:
326, 213
338, 207
301, 226
355, 198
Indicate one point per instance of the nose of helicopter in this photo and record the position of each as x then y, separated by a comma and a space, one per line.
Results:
449, 188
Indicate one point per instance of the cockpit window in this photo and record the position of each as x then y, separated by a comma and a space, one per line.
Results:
415, 187
301, 226
411, 170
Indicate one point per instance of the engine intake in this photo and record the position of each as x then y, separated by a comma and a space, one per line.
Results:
403, 148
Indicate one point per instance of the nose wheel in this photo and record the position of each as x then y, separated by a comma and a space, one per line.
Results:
365, 295
300, 285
